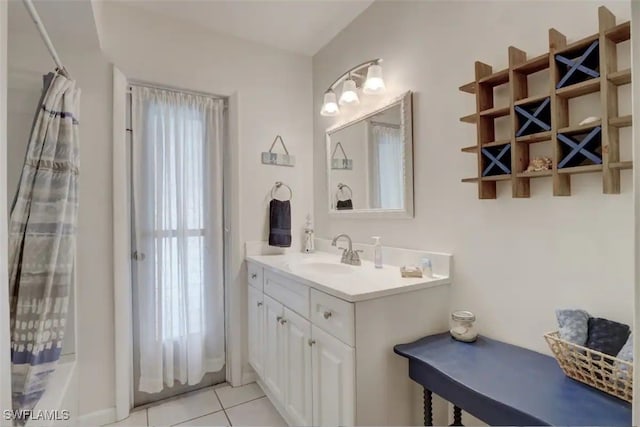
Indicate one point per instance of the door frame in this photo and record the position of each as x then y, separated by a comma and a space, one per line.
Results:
233, 251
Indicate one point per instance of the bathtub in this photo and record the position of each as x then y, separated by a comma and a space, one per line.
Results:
61, 396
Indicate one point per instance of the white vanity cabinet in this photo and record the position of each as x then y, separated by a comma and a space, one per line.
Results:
256, 329
323, 360
333, 380
274, 367
297, 358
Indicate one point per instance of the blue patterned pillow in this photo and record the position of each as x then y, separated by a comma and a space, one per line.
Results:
625, 354
574, 325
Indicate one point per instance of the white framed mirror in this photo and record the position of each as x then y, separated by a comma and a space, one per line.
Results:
377, 146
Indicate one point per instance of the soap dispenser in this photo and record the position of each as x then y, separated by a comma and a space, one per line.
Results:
309, 244
377, 251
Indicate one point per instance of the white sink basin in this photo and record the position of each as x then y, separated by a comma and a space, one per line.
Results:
324, 267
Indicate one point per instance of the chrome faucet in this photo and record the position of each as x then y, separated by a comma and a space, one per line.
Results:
349, 256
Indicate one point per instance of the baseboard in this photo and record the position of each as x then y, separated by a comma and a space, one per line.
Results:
98, 418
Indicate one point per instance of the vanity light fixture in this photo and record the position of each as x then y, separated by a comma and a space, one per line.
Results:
372, 84
349, 92
330, 106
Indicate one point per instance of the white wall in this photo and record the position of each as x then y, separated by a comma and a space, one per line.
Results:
516, 260
5, 368
270, 94
28, 61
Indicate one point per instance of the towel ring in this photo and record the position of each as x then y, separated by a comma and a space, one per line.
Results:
277, 186
341, 188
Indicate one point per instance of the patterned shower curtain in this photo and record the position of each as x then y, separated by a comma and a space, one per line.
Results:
42, 230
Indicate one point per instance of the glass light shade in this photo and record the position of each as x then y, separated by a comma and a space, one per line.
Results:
374, 84
330, 105
349, 93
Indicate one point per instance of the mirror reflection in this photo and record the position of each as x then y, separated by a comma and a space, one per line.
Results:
366, 167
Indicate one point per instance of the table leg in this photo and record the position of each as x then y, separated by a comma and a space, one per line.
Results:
457, 416
428, 408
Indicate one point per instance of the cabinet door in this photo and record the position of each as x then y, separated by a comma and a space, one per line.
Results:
273, 348
297, 358
333, 367
256, 330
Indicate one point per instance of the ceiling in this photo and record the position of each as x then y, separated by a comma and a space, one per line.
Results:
55, 16
300, 26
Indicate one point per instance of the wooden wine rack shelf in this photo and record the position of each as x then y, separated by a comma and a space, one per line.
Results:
586, 66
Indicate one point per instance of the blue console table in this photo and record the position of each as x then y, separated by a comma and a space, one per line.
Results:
502, 384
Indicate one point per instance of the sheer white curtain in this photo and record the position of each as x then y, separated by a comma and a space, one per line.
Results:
387, 183
177, 192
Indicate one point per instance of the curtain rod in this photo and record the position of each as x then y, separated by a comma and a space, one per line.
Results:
175, 89
45, 36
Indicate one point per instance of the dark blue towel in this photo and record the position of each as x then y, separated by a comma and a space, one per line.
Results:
280, 223
344, 205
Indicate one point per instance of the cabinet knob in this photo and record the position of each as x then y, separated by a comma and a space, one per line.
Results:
327, 314
254, 275
283, 321
311, 342
259, 304
278, 319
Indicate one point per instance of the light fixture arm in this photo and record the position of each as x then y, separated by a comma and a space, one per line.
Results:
354, 71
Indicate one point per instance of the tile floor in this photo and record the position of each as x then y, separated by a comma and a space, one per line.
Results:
221, 405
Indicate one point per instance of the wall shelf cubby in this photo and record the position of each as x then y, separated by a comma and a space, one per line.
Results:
578, 65
496, 160
533, 117
580, 149
586, 66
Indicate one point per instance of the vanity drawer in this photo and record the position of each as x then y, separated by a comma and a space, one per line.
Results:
254, 272
290, 293
334, 316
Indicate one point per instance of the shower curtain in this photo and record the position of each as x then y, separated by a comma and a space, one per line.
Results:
177, 204
42, 230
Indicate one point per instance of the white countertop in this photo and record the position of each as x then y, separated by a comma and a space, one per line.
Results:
358, 283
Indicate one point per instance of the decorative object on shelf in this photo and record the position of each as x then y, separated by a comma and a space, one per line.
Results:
589, 120
345, 163
586, 66
540, 164
427, 267
309, 238
278, 159
346, 203
410, 271
372, 84
462, 327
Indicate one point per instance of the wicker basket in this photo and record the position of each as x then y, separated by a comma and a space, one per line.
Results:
592, 367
